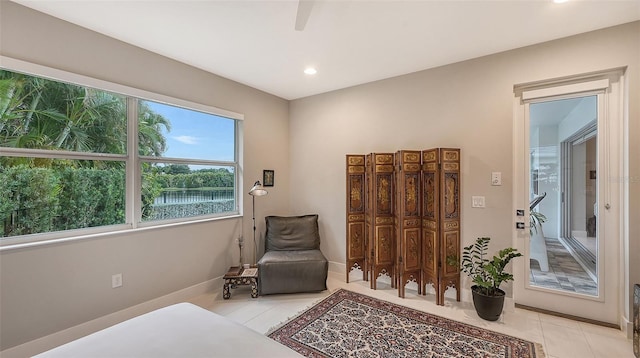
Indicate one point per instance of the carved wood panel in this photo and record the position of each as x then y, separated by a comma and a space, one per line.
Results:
408, 219
450, 220
430, 218
451, 248
441, 176
379, 215
384, 240
356, 228
356, 239
430, 255
411, 252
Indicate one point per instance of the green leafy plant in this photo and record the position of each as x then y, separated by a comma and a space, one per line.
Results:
487, 274
535, 218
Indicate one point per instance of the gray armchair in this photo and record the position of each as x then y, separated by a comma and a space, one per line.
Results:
292, 261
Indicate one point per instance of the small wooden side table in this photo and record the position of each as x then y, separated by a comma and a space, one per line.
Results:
240, 276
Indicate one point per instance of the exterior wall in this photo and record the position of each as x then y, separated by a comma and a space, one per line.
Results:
49, 288
467, 105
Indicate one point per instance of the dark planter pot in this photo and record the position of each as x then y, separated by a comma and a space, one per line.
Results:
488, 307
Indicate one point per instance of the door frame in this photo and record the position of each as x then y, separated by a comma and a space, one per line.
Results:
566, 159
611, 304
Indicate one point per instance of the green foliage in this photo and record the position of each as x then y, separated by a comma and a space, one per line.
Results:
151, 189
488, 274
29, 200
111, 184
535, 218
37, 200
64, 197
220, 178
175, 169
90, 197
151, 142
43, 114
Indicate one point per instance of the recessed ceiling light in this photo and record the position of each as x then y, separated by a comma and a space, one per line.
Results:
310, 71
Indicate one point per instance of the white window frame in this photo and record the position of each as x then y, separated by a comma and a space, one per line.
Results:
133, 203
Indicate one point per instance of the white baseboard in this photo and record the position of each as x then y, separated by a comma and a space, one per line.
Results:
627, 327
337, 267
53, 340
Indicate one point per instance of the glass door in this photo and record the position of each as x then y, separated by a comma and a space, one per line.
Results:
567, 218
563, 175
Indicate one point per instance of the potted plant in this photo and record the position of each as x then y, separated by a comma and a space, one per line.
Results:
538, 246
487, 276
536, 219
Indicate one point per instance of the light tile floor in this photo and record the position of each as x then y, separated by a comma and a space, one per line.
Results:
565, 273
561, 338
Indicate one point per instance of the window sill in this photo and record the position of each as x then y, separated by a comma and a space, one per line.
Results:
14, 243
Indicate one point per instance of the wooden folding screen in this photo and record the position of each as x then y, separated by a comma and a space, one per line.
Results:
411, 221
356, 230
440, 220
408, 219
379, 216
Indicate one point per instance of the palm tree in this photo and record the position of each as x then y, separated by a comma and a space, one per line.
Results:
19, 98
150, 138
43, 114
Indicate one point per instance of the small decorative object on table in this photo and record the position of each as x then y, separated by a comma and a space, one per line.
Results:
240, 276
249, 272
241, 245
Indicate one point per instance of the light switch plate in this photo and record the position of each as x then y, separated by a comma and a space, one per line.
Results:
496, 178
116, 280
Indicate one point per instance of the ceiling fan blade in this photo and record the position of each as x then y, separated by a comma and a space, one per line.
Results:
302, 16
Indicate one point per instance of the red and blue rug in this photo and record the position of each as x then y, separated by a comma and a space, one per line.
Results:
348, 324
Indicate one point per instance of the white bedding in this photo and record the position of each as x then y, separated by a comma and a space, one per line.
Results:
181, 330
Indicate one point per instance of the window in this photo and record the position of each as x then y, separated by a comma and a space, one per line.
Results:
67, 163
179, 179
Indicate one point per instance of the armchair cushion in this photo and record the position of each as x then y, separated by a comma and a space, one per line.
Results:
292, 233
292, 271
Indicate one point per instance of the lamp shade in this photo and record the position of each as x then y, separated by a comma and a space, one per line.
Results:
258, 189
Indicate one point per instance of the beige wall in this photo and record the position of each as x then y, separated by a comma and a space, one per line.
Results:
467, 105
49, 288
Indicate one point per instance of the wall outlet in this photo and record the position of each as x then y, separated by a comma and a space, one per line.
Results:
477, 201
116, 280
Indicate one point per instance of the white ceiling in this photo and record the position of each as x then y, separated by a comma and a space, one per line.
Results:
551, 113
349, 42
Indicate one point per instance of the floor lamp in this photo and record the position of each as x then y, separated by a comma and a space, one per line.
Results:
257, 190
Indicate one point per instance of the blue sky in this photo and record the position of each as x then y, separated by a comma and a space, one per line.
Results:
196, 135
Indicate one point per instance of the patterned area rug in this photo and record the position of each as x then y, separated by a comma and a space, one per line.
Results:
348, 324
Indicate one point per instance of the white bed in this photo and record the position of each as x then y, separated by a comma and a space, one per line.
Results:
181, 330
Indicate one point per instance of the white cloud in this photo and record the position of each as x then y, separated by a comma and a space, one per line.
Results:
186, 139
